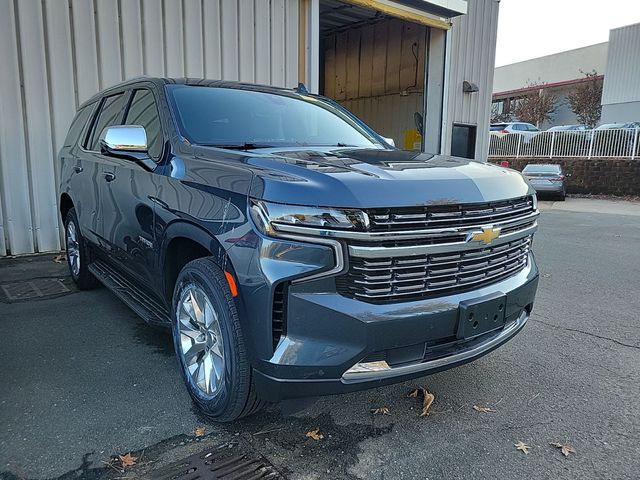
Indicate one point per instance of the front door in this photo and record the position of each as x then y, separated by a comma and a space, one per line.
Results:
126, 192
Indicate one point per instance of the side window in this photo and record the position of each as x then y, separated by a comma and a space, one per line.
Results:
143, 111
77, 126
109, 115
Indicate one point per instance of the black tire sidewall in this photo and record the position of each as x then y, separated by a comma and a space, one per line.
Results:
84, 280
198, 272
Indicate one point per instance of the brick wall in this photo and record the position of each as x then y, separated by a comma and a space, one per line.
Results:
607, 176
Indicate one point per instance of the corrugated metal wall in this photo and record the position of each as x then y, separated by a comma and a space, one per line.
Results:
389, 115
622, 80
381, 59
377, 72
55, 54
472, 49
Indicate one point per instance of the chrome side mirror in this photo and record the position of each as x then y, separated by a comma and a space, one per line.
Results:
119, 139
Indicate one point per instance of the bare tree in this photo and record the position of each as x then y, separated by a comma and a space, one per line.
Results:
585, 99
537, 106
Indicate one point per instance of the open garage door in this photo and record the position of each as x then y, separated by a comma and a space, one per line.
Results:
374, 65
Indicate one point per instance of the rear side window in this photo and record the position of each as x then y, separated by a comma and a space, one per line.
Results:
77, 126
143, 111
497, 127
110, 114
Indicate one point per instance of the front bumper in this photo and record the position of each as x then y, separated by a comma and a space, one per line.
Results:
328, 333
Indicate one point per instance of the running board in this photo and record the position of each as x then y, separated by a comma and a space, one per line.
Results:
151, 311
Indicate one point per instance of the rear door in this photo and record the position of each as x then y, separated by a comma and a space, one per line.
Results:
127, 192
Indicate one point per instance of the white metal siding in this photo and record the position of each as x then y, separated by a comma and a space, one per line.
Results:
622, 81
472, 56
55, 54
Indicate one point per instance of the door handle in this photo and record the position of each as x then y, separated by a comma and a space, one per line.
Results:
77, 169
109, 176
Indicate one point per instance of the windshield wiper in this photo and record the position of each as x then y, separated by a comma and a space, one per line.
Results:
237, 146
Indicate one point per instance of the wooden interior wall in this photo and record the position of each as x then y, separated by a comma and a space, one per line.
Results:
381, 59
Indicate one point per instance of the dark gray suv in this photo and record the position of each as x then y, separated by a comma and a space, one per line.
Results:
290, 249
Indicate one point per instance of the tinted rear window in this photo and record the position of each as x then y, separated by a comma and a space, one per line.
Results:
77, 126
498, 126
541, 169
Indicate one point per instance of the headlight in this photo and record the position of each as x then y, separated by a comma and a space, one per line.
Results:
268, 216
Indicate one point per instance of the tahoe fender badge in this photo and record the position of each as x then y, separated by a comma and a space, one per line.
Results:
146, 242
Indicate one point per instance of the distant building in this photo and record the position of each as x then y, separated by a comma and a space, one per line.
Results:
616, 61
561, 72
621, 92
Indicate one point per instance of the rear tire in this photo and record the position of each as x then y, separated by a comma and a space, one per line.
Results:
209, 344
79, 254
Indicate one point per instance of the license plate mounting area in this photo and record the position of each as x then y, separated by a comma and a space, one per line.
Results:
481, 315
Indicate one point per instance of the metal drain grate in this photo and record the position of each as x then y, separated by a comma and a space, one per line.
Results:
219, 463
37, 288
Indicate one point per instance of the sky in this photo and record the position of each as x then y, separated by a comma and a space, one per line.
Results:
534, 28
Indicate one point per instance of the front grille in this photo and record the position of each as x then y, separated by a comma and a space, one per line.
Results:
412, 277
448, 216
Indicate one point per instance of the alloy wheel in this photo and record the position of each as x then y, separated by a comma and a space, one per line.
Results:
201, 342
73, 248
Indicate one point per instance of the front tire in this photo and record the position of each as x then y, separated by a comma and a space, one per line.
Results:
209, 344
79, 254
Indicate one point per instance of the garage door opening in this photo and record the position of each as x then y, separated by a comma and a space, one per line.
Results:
374, 65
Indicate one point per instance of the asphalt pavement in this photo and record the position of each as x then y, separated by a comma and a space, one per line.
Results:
82, 379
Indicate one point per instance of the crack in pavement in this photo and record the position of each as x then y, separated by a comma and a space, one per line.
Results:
568, 329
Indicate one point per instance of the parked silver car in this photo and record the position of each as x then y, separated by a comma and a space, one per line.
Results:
568, 128
546, 179
526, 130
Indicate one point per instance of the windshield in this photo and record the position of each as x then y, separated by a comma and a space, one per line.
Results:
228, 117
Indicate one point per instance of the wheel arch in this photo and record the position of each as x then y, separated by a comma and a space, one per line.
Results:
184, 242
66, 204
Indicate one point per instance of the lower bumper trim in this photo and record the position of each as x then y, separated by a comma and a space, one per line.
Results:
505, 334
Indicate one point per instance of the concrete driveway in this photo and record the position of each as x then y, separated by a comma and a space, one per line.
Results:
83, 379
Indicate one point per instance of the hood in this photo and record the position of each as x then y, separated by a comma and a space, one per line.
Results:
370, 178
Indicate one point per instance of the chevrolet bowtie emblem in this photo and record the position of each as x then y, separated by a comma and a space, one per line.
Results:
488, 235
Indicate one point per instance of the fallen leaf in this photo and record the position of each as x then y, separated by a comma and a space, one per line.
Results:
565, 449
483, 409
381, 411
127, 460
522, 446
413, 393
427, 400
60, 258
315, 434
199, 431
